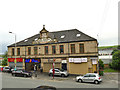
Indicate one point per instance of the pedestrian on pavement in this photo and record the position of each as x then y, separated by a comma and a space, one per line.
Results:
41, 70
35, 69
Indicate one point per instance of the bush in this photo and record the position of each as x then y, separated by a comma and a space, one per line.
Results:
116, 61
101, 65
110, 65
115, 50
4, 62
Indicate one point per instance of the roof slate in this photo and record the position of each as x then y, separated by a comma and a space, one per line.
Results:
69, 36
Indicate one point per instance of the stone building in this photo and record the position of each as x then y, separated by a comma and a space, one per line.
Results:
71, 50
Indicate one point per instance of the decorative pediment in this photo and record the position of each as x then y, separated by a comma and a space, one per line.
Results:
44, 38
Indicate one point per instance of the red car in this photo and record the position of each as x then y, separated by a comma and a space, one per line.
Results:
1, 68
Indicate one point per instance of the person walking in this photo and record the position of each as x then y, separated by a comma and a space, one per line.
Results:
35, 70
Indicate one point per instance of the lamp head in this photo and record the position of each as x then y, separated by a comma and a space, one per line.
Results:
10, 32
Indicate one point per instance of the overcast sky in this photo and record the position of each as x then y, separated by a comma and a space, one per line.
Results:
97, 18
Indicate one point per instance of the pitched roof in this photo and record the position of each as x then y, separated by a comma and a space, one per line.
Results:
72, 35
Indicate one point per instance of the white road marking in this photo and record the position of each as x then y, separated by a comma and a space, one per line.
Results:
21, 78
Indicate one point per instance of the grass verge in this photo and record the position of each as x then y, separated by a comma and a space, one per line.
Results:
110, 70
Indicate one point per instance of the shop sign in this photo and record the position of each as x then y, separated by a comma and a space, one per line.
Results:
94, 61
31, 61
77, 60
93, 58
84, 59
71, 60
50, 60
13, 59
64, 61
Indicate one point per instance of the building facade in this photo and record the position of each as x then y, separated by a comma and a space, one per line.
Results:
71, 50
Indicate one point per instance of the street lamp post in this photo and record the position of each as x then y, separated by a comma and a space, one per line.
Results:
15, 49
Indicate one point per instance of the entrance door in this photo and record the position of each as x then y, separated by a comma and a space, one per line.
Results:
64, 66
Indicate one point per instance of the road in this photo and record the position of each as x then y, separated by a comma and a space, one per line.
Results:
9, 81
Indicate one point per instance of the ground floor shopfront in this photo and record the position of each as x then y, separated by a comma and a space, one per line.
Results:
23, 63
19, 62
74, 65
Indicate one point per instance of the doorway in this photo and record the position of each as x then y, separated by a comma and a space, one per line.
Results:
64, 66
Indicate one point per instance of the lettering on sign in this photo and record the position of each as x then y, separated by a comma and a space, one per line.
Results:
94, 61
13, 59
32, 60
77, 60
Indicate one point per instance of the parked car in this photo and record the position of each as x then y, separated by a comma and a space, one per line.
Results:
1, 68
58, 72
16, 69
7, 69
44, 87
89, 77
20, 72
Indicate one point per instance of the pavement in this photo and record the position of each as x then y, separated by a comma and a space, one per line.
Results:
45, 76
106, 77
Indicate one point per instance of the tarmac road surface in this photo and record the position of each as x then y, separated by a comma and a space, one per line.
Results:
8, 81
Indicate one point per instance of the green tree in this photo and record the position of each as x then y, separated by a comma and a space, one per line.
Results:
115, 50
118, 47
4, 62
116, 60
101, 65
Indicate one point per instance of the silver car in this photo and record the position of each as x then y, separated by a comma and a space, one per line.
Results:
6, 69
89, 77
58, 72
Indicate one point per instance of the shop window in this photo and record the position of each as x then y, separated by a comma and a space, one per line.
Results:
81, 48
18, 51
72, 48
46, 49
53, 50
61, 49
35, 50
29, 50
13, 52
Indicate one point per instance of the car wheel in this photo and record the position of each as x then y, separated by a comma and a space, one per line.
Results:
25, 75
50, 74
96, 82
62, 75
80, 80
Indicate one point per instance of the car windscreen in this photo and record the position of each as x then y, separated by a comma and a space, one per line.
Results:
7, 68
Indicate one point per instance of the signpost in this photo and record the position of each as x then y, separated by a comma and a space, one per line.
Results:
15, 48
53, 67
